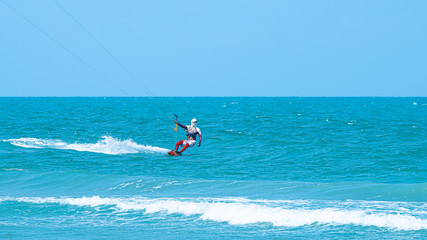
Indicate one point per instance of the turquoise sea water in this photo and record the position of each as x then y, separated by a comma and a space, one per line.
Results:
281, 168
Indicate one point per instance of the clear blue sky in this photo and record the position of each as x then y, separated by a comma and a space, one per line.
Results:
215, 48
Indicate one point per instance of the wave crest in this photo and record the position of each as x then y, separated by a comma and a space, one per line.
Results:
243, 211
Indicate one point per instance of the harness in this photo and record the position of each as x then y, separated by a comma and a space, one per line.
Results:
192, 135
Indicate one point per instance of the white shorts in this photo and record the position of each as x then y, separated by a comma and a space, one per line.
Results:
190, 142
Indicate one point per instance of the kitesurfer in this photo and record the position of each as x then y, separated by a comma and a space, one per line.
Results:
192, 132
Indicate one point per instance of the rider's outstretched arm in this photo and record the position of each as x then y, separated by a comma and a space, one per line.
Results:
183, 126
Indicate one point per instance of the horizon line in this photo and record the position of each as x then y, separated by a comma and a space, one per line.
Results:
212, 96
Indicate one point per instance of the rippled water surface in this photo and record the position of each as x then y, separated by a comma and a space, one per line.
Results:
267, 168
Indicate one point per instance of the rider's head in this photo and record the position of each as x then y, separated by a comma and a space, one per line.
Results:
193, 122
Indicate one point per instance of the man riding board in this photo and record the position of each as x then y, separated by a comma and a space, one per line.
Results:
192, 132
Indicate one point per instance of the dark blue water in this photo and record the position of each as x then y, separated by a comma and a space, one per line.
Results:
267, 168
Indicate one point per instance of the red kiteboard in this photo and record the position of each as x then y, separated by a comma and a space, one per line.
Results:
174, 153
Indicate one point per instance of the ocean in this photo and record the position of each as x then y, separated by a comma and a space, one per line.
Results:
267, 168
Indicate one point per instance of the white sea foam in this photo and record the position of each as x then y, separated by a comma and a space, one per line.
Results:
15, 169
107, 145
233, 131
244, 211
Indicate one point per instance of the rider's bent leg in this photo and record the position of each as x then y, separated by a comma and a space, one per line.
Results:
179, 143
185, 147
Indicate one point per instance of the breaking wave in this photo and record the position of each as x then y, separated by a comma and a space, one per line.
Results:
240, 211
